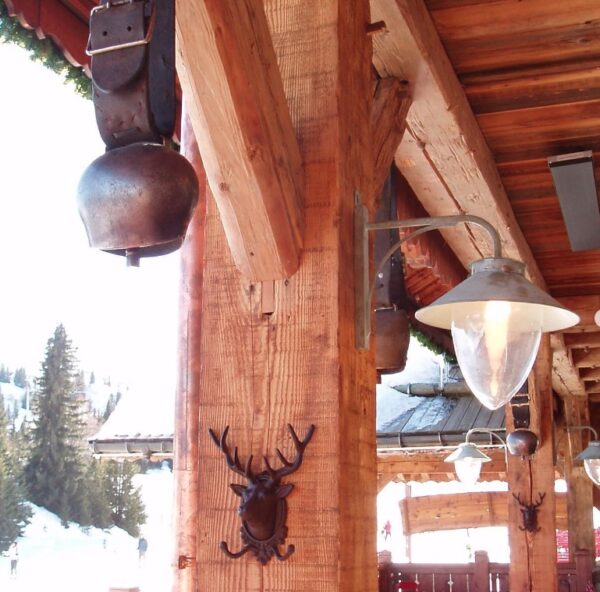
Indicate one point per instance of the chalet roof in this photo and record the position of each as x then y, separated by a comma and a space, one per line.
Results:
436, 421
142, 424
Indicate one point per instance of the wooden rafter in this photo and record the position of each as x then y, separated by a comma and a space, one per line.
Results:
418, 466
239, 112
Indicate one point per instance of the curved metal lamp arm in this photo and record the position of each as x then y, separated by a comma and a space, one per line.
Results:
364, 287
581, 428
491, 433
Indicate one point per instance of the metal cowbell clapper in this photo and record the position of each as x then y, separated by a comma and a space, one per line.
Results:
136, 199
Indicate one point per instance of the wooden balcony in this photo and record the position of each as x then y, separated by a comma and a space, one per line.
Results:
479, 576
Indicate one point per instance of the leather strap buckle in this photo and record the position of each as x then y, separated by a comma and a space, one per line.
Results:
132, 44
152, 23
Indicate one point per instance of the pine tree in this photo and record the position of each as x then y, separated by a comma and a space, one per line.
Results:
92, 378
55, 471
100, 513
127, 508
20, 378
14, 511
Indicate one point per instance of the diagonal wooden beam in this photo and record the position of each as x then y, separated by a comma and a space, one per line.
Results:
388, 122
238, 109
443, 154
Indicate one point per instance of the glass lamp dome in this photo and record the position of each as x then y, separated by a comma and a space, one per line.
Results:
467, 459
496, 317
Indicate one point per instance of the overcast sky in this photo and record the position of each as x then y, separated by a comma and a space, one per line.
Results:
123, 321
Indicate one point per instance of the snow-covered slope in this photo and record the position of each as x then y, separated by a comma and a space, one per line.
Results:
53, 558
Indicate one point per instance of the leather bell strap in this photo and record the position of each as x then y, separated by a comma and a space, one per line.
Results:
132, 45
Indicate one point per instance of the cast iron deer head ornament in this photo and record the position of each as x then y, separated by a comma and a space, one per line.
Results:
530, 512
263, 508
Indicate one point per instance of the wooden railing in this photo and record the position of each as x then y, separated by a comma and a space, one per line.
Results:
480, 576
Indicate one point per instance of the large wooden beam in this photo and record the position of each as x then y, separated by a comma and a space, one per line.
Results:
388, 122
579, 487
533, 555
283, 352
429, 513
229, 74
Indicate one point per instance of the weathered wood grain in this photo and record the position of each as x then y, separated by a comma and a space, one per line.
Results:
509, 34
229, 74
388, 122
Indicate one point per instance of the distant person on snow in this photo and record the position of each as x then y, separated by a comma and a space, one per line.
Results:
387, 530
142, 548
13, 555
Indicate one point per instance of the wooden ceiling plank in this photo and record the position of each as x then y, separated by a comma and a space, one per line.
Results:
229, 72
510, 34
536, 89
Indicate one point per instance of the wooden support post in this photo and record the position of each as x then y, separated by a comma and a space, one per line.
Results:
533, 555
481, 574
185, 465
298, 364
579, 487
584, 563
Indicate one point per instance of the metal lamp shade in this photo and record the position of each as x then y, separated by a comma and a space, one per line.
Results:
467, 459
591, 460
503, 280
497, 318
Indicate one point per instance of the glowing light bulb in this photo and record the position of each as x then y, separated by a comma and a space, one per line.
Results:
496, 343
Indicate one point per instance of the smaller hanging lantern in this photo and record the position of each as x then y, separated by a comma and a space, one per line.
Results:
137, 199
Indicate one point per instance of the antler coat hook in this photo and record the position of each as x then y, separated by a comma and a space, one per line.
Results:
263, 508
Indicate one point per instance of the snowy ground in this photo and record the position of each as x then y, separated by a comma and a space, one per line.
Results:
53, 558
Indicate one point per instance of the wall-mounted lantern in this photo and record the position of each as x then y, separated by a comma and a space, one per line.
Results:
496, 315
